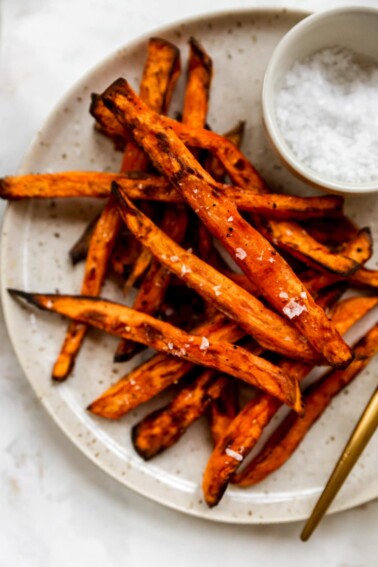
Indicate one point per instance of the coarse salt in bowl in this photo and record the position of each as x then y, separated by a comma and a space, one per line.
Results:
320, 100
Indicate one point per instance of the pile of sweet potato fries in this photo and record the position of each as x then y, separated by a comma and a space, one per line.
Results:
180, 187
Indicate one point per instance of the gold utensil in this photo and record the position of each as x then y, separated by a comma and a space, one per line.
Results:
363, 431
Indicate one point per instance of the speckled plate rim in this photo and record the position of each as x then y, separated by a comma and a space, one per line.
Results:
65, 422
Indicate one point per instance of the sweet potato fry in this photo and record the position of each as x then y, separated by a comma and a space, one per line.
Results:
163, 61
237, 166
106, 123
164, 427
235, 444
347, 312
142, 263
102, 243
318, 396
223, 409
120, 320
360, 246
79, 250
57, 185
138, 269
124, 255
160, 74
154, 286
140, 186
365, 277
295, 240
212, 164
344, 314
156, 374
269, 329
159, 77
246, 429
196, 99
150, 378
175, 220
334, 236
234, 162
161, 429
255, 256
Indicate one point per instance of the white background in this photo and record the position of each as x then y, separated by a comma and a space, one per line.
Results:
56, 508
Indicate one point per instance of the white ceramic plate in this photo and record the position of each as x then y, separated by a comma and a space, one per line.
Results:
37, 236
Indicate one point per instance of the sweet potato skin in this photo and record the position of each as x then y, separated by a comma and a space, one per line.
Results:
246, 429
234, 445
100, 248
293, 238
223, 409
197, 92
266, 327
153, 376
255, 256
152, 290
120, 320
156, 374
159, 73
164, 427
317, 397
153, 188
175, 219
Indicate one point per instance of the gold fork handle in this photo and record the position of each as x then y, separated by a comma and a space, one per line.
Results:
363, 431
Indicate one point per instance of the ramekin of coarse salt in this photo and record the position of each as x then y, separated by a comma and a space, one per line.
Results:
320, 100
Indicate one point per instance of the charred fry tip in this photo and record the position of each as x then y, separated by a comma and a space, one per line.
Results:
200, 52
366, 231
120, 357
146, 455
93, 408
98, 407
122, 201
165, 42
116, 192
213, 500
4, 188
29, 297
119, 85
61, 376
238, 128
95, 98
34, 298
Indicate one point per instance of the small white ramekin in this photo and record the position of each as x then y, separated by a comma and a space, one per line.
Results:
354, 28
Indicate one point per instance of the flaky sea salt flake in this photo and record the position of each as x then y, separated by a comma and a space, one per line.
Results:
185, 270
204, 344
240, 253
293, 309
216, 289
234, 455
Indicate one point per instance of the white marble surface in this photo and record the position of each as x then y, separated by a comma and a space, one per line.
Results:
56, 508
